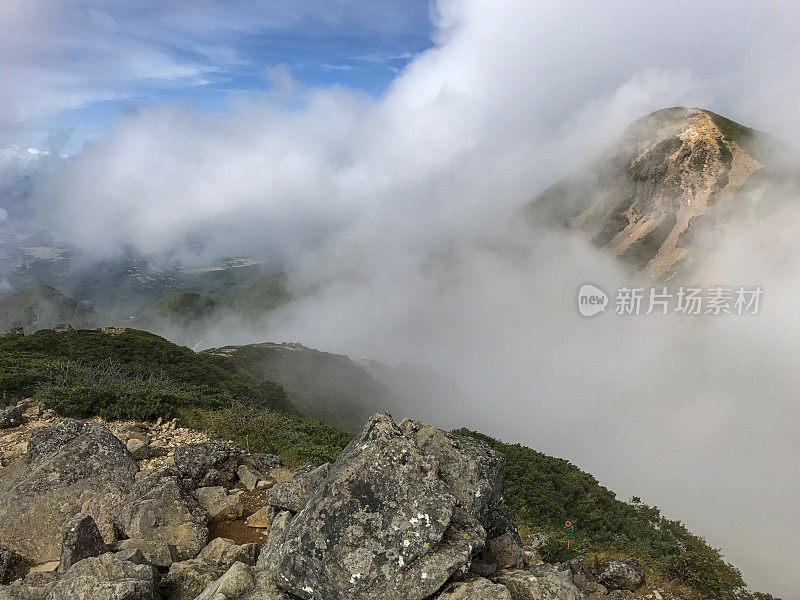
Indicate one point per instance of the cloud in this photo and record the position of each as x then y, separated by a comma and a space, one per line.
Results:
55, 56
399, 212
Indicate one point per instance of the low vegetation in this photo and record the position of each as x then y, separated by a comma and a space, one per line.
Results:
137, 375
134, 375
543, 492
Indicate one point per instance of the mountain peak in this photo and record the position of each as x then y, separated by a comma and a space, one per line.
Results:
673, 172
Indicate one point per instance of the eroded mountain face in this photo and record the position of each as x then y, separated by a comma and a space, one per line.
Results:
660, 198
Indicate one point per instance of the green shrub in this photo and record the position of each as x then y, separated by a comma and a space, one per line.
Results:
134, 360
298, 442
556, 551
705, 574
108, 403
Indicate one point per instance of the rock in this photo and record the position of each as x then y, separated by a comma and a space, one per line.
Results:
187, 579
208, 464
265, 483
13, 331
63, 328
106, 577
157, 553
138, 449
47, 567
227, 552
219, 504
71, 467
292, 495
160, 509
35, 586
10, 416
249, 477
113, 330
543, 584
11, 566
81, 539
475, 589
503, 545
262, 517
262, 462
625, 574
471, 468
32, 412
270, 553
587, 585
241, 582
157, 450
482, 569
390, 520
535, 542
133, 555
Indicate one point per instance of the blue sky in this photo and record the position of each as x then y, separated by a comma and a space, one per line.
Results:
80, 69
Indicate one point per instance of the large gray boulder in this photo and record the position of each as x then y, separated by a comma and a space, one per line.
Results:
71, 467
625, 574
474, 589
219, 504
81, 539
543, 582
399, 512
106, 577
187, 579
262, 462
208, 464
470, 467
293, 495
503, 548
160, 508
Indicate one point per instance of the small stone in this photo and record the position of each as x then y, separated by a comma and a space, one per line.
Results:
260, 518
249, 477
157, 553
219, 504
138, 448
33, 412
11, 416
265, 483
47, 567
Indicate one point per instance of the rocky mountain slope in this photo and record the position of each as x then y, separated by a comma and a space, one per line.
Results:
405, 511
395, 502
661, 197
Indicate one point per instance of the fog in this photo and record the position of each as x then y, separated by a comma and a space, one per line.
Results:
398, 216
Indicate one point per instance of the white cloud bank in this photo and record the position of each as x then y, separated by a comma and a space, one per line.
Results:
396, 204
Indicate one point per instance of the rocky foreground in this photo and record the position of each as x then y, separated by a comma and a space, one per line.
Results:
407, 511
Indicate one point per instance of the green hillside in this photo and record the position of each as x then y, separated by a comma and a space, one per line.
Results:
132, 374
321, 386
